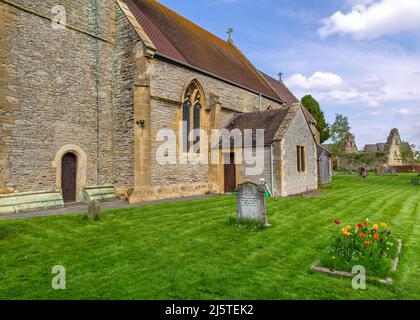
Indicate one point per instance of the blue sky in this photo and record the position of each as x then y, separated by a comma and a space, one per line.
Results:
360, 58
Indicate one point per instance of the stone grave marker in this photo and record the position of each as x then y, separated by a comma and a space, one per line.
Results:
94, 210
381, 171
394, 171
415, 182
362, 172
251, 202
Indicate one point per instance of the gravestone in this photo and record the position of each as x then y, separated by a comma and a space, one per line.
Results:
381, 171
94, 210
415, 182
394, 171
251, 202
362, 172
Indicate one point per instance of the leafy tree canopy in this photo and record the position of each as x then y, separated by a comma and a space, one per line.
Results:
340, 128
314, 108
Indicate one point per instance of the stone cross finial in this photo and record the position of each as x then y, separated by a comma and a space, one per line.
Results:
280, 74
229, 32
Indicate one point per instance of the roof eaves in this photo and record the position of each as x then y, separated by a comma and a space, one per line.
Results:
255, 71
293, 110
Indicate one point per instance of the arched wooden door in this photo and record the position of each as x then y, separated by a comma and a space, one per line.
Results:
68, 177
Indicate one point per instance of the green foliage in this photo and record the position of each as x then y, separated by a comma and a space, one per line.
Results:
372, 247
314, 108
335, 148
362, 159
339, 129
408, 153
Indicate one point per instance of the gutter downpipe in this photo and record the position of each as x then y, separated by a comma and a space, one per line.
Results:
97, 71
272, 170
260, 101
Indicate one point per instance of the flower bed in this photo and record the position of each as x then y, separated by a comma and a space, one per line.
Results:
371, 246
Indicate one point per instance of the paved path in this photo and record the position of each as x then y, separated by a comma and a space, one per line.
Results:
78, 208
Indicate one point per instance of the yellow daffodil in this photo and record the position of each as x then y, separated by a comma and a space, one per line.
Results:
384, 225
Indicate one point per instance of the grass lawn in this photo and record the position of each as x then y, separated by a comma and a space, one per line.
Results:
188, 250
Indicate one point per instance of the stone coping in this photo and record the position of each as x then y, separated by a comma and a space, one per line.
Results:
26, 193
338, 273
99, 187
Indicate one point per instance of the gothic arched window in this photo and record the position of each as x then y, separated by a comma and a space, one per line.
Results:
191, 118
186, 107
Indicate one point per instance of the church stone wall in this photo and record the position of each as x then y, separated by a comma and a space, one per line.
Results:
168, 82
293, 182
123, 103
265, 174
50, 90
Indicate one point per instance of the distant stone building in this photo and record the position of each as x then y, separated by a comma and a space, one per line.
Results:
349, 145
81, 107
392, 147
374, 147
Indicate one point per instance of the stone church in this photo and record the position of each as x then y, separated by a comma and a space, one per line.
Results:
86, 88
392, 147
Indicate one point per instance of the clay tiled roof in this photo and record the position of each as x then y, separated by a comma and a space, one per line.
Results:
180, 39
270, 121
282, 91
286, 95
375, 147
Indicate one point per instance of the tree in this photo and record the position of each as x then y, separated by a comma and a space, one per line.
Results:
339, 130
407, 153
417, 156
313, 107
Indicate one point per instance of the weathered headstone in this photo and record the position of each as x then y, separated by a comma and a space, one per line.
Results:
381, 171
394, 171
251, 202
94, 210
362, 172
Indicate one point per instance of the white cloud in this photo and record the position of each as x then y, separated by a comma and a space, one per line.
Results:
330, 87
373, 104
372, 19
365, 75
319, 81
408, 112
375, 113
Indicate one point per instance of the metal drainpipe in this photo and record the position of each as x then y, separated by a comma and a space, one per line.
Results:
260, 102
96, 32
272, 169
